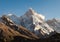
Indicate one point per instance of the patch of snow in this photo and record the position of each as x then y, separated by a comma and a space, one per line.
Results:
14, 18
10, 14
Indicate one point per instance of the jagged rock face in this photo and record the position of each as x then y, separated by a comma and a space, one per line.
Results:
36, 24
55, 24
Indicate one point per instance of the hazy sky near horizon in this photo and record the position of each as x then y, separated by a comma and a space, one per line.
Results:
48, 8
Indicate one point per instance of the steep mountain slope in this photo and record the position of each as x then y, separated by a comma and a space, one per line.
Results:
7, 34
14, 18
55, 24
29, 27
9, 30
36, 24
32, 21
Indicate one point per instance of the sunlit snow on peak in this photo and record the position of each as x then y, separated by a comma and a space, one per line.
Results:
9, 14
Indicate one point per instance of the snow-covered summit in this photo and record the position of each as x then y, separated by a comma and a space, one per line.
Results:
32, 12
10, 14
35, 23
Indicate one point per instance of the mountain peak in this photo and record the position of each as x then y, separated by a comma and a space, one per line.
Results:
30, 11
10, 14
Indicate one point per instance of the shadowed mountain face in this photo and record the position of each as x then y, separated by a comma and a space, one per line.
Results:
30, 27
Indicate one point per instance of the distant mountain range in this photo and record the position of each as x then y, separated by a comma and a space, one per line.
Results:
30, 27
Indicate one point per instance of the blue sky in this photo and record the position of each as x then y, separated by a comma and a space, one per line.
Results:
48, 8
